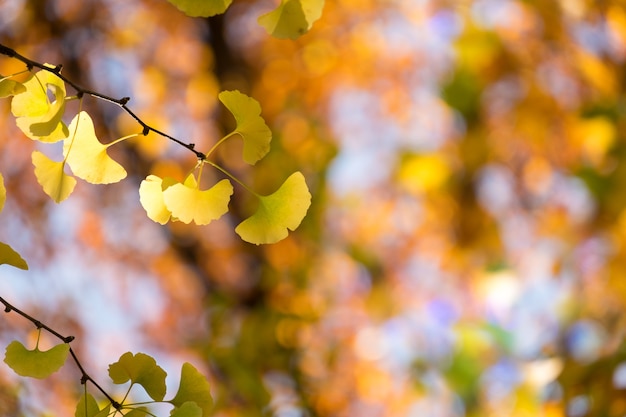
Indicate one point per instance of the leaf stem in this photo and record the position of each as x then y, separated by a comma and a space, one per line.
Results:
219, 142
134, 135
237, 180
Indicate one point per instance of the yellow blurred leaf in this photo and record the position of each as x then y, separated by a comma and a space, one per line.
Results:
596, 136
201, 8
3, 192
292, 18
423, 173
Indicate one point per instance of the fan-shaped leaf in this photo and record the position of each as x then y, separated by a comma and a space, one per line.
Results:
277, 212
35, 363
87, 156
250, 125
188, 409
193, 388
292, 18
10, 87
50, 175
140, 369
36, 116
88, 407
138, 412
188, 203
201, 8
8, 256
151, 198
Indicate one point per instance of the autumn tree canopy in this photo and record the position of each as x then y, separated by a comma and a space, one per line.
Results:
462, 254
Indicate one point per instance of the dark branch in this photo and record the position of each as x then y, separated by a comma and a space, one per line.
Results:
66, 339
80, 91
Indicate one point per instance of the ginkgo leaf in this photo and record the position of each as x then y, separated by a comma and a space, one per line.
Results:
188, 203
250, 125
10, 87
201, 8
88, 407
140, 369
35, 363
188, 409
52, 178
8, 256
88, 157
151, 198
36, 116
277, 212
193, 388
292, 18
138, 412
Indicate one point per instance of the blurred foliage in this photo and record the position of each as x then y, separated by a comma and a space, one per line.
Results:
464, 251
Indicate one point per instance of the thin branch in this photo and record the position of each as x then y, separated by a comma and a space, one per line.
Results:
66, 339
80, 91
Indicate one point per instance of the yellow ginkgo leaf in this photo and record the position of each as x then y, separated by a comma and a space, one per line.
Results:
36, 116
87, 157
10, 87
201, 8
50, 175
8, 256
250, 125
277, 212
292, 18
151, 198
188, 203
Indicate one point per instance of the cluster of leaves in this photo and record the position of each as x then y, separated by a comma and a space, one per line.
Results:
41, 119
39, 106
193, 398
291, 19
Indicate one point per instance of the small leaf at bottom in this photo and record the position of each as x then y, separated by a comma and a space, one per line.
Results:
35, 363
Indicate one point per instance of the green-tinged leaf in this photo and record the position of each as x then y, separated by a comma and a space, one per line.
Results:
292, 18
193, 388
88, 157
151, 198
52, 178
3, 193
88, 407
188, 409
201, 8
10, 87
138, 412
36, 116
140, 369
250, 125
35, 363
8, 256
277, 212
188, 203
